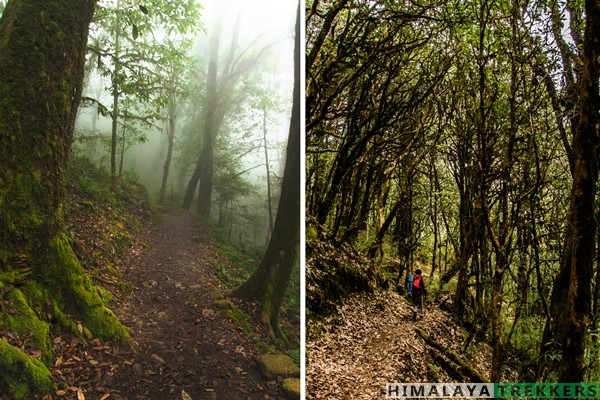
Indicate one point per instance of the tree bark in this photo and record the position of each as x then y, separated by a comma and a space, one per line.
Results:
572, 365
269, 206
171, 140
571, 298
42, 55
115, 94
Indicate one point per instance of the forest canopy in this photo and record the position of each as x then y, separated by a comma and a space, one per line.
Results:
461, 138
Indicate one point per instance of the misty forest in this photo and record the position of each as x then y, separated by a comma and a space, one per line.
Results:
460, 138
149, 199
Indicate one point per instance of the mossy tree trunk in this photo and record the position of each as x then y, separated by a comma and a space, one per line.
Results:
269, 282
42, 55
566, 329
572, 366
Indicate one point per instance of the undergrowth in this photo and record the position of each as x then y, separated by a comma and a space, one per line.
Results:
233, 265
101, 221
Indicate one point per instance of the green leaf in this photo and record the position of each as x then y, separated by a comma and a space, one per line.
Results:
135, 32
144, 9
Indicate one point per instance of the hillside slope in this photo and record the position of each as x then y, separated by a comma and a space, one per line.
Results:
372, 340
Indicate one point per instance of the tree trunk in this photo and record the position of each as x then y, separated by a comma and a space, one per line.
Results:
210, 128
123, 132
572, 364
571, 298
269, 206
42, 55
203, 174
270, 280
191, 187
115, 94
171, 138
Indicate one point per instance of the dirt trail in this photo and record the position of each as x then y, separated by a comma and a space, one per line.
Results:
373, 343
183, 342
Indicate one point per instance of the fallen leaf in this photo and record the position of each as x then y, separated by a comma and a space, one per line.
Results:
106, 396
157, 358
185, 396
80, 395
36, 353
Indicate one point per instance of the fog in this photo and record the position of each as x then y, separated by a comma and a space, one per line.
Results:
254, 79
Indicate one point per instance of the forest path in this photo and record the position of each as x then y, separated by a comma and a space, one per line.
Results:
182, 341
374, 342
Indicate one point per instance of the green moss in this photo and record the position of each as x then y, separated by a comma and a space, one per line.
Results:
104, 294
264, 348
225, 304
79, 297
25, 319
229, 314
25, 377
215, 293
113, 271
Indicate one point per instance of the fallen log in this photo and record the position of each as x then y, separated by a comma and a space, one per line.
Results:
466, 369
449, 367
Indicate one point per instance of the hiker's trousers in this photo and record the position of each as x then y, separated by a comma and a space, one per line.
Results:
417, 302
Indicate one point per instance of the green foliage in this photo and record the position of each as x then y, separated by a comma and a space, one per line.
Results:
233, 266
457, 161
591, 356
139, 53
294, 355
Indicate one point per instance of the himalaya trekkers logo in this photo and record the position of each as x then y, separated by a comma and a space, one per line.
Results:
492, 390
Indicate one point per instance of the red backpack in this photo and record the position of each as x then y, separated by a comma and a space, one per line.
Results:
417, 286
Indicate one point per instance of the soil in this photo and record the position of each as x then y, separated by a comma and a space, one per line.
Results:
183, 343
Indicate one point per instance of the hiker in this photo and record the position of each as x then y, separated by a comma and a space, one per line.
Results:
418, 292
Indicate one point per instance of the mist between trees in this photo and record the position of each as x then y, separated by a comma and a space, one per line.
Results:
461, 137
193, 99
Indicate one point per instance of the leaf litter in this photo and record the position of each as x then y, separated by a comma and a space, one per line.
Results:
179, 350
370, 341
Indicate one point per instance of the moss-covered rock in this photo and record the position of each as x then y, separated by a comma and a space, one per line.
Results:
277, 365
291, 388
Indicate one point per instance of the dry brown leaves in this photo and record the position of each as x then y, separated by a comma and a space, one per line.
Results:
83, 369
371, 341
